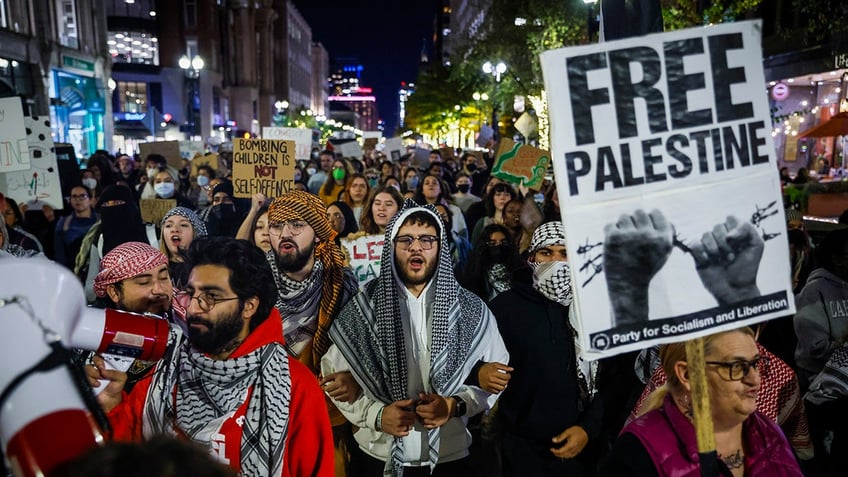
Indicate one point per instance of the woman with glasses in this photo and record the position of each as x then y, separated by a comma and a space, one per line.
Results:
662, 440
71, 229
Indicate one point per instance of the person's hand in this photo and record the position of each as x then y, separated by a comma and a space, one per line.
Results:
398, 418
493, 377
635, 249
523, 189
111, 395
434, 410
341, 386
727, 260
257, 201
570, 441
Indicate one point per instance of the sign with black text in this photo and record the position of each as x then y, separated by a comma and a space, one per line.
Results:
262, 165
666, 177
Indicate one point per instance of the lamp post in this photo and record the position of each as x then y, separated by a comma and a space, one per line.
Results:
192, 68
496, 71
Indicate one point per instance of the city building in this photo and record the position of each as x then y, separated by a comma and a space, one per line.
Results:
350, 102
320, 72
405, 91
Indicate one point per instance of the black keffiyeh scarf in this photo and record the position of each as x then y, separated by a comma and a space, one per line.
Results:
370, 334
208, 390
298, 303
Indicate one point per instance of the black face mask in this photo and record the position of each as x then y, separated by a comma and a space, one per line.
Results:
498, 254
463, 188
471, 167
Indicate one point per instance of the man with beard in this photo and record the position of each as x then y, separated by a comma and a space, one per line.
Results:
134, 277
549, 411
411, 341
312, 286
230, 385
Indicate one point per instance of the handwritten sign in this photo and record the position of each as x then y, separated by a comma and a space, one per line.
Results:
262, 165
190, 149
364, 253
517, 163
14, 151
393, 149
350, 149
169, 149
41, 181
302, 139
210, 160
152, 210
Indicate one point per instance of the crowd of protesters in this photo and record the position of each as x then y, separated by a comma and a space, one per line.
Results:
458, 358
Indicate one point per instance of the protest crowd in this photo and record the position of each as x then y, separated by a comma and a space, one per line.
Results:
412, 316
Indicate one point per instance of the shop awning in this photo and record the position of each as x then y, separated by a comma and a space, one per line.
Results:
835, 126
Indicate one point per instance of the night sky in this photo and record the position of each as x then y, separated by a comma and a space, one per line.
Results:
386, 36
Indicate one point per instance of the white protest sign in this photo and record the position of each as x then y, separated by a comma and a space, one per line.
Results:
41, 180
393, 149
190, 149
302, 139
350, 149
364, 253
14, 153
665, 173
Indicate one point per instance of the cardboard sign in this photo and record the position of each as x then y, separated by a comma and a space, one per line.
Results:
350, 149
210, 160
152, 210
169, 149
41, 181
371, 139
517, 163
14, 151
446, 153
665, 171
364, 253
262, 165
302, 139
526, 125
393, 149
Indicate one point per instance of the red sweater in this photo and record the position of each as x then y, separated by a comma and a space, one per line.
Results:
309, 441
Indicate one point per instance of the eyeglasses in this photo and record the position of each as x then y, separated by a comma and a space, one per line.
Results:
405, 241
79, 196
737, 370
496, 243
205, 300
295, 227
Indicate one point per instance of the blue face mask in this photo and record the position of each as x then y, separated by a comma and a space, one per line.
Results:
372, 181
412, 182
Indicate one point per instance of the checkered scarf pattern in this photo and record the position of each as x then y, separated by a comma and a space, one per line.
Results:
198, 225
298, 304
126, 261
209, 390
369, 333
300, 205
551, 279
779, 399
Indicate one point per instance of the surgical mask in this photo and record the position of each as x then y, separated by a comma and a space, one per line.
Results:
90, 182
164, 189
338, 174
553, 280
372, 181
203, 181
412, 182
297, 177
311, 171
463, 188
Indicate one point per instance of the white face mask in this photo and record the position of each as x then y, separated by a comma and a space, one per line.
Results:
90, 182
311, 171
553, 280
202, 181
164, 189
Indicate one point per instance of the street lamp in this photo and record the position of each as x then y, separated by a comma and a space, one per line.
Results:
494, 70
192, 68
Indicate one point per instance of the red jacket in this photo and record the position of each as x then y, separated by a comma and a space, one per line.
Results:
309, 441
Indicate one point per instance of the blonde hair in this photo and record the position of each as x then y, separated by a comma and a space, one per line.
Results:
670, 355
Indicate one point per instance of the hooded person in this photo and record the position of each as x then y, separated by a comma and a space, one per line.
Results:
411, 340
222, 218
11, 250
545, 434
180, 226
120, 222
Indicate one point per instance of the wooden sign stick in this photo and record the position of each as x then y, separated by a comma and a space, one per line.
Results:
697, 369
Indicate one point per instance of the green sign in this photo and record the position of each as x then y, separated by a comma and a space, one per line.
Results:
77, 63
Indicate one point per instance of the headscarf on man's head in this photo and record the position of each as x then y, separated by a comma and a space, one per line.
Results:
551, 279
126, 261
300, 205
198, 225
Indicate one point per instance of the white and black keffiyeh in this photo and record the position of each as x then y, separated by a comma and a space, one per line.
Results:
209, 390
298, 303
832, 381
369, 334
